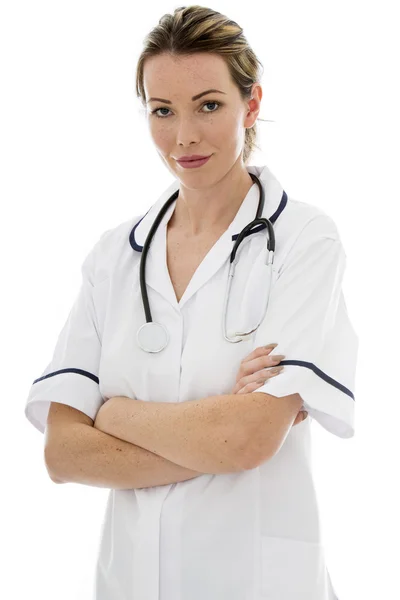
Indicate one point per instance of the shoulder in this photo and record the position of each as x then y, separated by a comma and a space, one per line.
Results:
303, 227
304, 216
111, 247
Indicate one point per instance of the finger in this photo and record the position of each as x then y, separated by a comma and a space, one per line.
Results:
250, 387
247, 367
259, 352
262, 375
253, 385
300, 417
265, 361
255, 361
255, 378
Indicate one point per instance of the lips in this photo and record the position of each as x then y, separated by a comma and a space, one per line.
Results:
192, 159
193, 164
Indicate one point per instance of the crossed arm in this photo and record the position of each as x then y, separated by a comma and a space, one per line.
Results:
213, 435
136, 444
205, 436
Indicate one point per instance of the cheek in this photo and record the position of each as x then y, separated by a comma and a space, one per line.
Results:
161, 136
221, 129
226, 126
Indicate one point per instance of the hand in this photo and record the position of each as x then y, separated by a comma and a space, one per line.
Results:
256, 369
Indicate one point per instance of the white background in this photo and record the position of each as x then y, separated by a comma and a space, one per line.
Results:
77, 159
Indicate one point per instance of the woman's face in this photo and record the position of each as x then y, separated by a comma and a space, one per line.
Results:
211, 125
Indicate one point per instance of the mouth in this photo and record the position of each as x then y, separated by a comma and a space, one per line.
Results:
193, 163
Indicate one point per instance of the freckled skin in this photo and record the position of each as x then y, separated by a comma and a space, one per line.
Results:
215, 124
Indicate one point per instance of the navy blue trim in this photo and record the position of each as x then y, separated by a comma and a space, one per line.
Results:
302, 363
132, 240
256, 229
299, 363
79, 371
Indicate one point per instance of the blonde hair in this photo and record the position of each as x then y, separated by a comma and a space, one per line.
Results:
193, 29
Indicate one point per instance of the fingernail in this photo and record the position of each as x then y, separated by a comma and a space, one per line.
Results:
270, 346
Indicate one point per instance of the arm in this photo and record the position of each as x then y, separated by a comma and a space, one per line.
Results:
208, 435
88, 456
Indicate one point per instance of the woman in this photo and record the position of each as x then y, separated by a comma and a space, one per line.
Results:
212, 494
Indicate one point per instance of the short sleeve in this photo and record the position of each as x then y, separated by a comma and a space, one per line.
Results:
307, 317
72, 376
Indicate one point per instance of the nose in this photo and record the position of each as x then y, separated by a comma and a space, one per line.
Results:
187, 133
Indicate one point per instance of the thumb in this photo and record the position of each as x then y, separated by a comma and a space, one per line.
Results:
305, 414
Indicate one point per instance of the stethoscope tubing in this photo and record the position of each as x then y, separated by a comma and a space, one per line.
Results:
233, 261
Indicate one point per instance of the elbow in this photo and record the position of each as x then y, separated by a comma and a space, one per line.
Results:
49, 464
55, 480
255, 460
249, 457
257, 451
52, 467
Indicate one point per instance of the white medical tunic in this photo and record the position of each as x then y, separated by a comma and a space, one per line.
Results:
252, 535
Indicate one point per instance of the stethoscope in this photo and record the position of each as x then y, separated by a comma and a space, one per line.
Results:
153, 337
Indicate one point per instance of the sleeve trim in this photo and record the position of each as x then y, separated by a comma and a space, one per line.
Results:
72, 370
317, 371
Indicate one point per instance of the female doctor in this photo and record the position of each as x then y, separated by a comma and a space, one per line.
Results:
161, 386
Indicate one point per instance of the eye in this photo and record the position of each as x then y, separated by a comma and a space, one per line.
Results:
154, 112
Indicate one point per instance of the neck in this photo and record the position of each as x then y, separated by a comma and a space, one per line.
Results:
212, 209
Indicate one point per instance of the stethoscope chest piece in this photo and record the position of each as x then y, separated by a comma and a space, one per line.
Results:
152, 337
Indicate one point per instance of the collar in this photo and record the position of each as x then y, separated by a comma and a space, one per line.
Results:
275, 202
157, 275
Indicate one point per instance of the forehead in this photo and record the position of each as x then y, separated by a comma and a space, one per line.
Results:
175, 73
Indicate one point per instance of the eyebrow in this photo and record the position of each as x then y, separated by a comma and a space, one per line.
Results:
196, 97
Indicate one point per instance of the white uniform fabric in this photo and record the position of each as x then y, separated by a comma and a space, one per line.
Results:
253, 535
